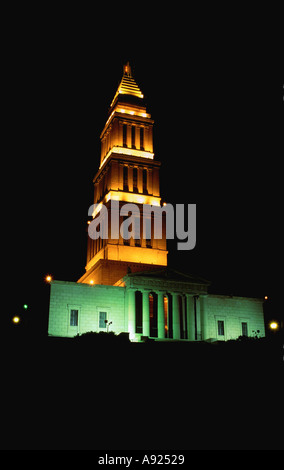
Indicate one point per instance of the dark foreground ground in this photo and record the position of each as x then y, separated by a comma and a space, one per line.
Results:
68, 394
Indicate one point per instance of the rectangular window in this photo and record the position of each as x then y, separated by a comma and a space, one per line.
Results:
125, 231
73, 317
133, 137
135, 178
142, 138
244, 328
102, 319
125, 178
221, 329
145, 182
124, 133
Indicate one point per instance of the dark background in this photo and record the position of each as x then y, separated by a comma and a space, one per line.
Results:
216, 98
213, 85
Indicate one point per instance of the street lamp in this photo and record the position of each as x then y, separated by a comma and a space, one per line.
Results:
273, 325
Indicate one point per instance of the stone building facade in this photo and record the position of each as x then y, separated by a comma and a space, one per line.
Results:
163, 304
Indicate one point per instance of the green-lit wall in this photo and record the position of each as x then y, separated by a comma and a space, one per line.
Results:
234, 311
118, 305
89, 301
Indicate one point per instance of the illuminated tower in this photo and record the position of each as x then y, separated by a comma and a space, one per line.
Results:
128, 173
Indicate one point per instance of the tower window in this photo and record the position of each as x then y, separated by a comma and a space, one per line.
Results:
125, 232
145, 181
124, 131
125, 178
133, 137
135, 179
142, 138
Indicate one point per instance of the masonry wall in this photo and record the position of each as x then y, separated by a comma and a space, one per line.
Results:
88, 300
234, 311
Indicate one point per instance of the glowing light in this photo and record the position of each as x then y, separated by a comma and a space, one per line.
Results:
91, 281
120, 110
25, 306
132, 112
265, 298
273, 325
132, 197
16, 319
128, 151
48, 278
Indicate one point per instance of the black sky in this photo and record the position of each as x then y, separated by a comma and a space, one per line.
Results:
217, 104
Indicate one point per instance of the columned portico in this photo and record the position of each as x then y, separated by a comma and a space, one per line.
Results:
165, 305
188, 315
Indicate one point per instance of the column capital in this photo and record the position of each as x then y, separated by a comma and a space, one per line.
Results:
145, 290
160, 292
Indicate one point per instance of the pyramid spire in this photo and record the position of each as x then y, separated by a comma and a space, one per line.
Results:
128, 85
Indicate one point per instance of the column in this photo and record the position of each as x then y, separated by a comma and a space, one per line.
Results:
204, 319
131, 313
176, 317
190, 317
161, 315
146, 313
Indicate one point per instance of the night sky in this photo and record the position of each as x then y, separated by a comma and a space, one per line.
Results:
218, 132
